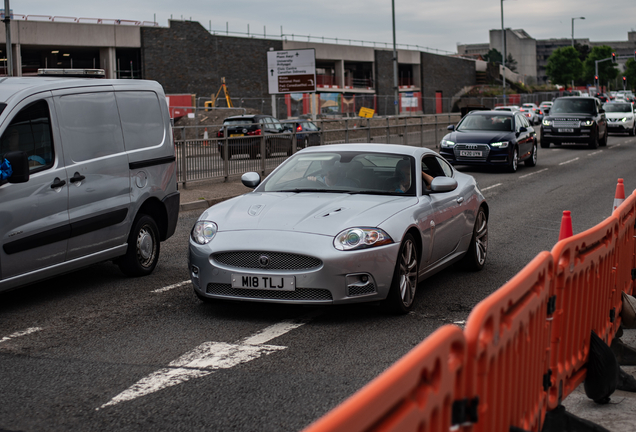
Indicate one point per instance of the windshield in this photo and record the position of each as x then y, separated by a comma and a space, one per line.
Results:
344, 172
573, 106
486, 122
618, 107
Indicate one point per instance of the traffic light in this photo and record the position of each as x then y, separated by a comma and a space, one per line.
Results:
634, 55
595, 77
613, 57
624, 79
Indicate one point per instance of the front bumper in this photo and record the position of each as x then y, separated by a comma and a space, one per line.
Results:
490, 156
341, 276
620, 126
578, 135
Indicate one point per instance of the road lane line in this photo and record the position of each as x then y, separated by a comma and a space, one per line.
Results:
491, 187
533, 173
169, 287
596, 152
21, 333
208, 358
567, 162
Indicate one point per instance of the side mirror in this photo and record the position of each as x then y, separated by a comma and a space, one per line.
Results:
20, 164
450, 127
523, 129
251, 179
443, 184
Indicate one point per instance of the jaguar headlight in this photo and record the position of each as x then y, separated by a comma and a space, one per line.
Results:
361, 238
587, 122
547, 122
500, 144
447, 143
203, 232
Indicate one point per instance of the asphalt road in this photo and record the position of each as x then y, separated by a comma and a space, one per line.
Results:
94, 350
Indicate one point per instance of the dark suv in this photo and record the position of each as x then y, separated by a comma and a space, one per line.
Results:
575, 120
245, 132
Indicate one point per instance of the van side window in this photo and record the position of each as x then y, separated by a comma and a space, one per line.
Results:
141, 119
90, 125
30, 132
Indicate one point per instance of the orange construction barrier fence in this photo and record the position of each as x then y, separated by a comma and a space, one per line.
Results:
523, 350
508, 338
415, 394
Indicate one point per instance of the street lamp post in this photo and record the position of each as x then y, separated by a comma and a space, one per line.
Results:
503, 55
395, 65
573, 29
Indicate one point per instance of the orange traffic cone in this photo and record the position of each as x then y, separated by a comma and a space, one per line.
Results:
619, 197
205, 137
566, 226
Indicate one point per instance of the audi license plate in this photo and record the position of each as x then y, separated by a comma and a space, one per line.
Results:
263, 282
565, 130
470, 153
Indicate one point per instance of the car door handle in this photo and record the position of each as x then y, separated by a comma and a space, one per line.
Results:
460, 200
77, 177
57, 183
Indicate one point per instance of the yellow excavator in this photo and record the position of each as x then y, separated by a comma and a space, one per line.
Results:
226, 92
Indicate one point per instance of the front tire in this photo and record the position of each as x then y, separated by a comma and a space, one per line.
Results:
632, 131
142, 254
532, 160
475, 257
404, 284
604, 142
593, 144
514, 161
545, 143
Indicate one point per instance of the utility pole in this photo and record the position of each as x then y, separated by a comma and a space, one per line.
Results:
7, 25
395, 65
503, 56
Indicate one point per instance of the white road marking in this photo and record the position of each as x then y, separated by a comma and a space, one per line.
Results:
208, 358
169, 287
596, 152
491, 187
462, 322
21, 333
533, 173
567, 162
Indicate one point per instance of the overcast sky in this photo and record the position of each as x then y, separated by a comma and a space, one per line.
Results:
440, 24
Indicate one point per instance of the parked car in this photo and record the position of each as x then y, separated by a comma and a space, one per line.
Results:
93, 176
620, 117
575, 120
307, 133
493, 138
244, 136
329, 226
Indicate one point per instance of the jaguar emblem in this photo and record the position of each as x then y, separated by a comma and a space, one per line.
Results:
263, 261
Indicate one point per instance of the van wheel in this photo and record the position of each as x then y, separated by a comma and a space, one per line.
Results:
143, 248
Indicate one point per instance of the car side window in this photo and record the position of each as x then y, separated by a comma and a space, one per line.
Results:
276, 124
30, 132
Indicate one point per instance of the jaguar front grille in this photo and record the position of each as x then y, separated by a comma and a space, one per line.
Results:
267, 260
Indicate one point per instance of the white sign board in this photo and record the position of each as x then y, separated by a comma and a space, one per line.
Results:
291, 71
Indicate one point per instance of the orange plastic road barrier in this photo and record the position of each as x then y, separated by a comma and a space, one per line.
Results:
417, 393
585, 289
508, 339
626, 255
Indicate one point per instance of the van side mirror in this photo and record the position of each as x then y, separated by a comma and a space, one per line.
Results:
20, 164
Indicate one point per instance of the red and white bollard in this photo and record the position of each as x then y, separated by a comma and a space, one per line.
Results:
619, 197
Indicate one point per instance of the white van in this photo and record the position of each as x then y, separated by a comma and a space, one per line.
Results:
93, 176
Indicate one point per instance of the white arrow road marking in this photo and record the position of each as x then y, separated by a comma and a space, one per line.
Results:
21, 333
206, 359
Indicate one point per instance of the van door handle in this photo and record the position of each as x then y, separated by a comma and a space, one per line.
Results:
57, 183
77, 177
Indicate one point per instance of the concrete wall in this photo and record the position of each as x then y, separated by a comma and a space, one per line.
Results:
448, 75
56, 34
186, 58
384, 81
333, 51
523, 50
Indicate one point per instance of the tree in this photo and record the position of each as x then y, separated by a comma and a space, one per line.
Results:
606, 70
493, 56
583, 50
511, 63
630, 73
564, 66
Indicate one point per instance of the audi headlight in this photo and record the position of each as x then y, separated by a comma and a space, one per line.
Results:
361, 238
501, 144
203, 232
587, 122
447, 143
547, 122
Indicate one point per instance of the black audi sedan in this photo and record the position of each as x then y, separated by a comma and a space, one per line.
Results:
575, 120
493, 138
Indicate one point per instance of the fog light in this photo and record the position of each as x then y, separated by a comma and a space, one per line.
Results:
195, 271
364, 278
